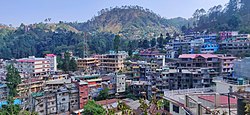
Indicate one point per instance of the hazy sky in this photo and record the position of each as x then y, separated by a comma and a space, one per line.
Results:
31, 11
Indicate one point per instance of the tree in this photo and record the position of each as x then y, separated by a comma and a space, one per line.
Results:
117, 43
153, 42
124, 108
145, 44
103, 94
91, 108
233, 22
143, 106
25, 112
247, 109
66, 62
130, 48
184, 29
13, 79
72, 65
160, 41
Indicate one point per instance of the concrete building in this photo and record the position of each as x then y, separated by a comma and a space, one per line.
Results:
60, 101
33, 66
83, 93
53, 62
171, 54
236, 46
227, 34
73, 96
241, 68
30, 85
209, 47
141, 89
112, 62
198, 61
227, 63
3, 92
120, 82
88, 64
173, 79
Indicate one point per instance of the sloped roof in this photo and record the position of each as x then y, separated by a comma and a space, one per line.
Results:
197, 55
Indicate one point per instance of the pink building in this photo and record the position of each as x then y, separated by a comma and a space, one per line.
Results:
227, 34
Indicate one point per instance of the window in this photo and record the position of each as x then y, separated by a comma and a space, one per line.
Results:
175, 108
41, 105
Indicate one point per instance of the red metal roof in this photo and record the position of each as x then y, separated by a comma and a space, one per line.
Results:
50, 55
223, 99
197, 55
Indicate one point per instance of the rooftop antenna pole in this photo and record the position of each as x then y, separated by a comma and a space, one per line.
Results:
85, 45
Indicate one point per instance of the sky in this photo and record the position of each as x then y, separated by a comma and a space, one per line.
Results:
16, 12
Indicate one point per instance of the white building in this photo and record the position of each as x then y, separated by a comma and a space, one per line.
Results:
53, 63
120, 82
33, 66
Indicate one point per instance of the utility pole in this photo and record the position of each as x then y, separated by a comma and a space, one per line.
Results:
85, 45
230, 91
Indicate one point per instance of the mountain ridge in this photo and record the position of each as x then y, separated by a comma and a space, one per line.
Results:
131, 22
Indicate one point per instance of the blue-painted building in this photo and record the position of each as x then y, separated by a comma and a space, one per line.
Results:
209, 47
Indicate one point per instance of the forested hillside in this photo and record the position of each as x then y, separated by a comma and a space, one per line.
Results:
235, 16
131, 22
135, 26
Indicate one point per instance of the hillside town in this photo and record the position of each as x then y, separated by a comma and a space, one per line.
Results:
187, 76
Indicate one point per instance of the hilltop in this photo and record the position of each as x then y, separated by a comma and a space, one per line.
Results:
131, 22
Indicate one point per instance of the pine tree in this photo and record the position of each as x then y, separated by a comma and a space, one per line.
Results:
117, 43
13, 79
72, 65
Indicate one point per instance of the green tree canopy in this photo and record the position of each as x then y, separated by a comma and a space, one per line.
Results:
72, 64
103, 94
91, 108
13, 79
117, 43
153, 42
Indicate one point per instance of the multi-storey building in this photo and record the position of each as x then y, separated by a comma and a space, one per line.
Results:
227, 63
60, 101
209, 47
142, 89
73, 96
33, 66
94, 82
236, 46
112, 62
57, 83
227, 34
88, 64
174, 79
83, 93
120, 82
30, 85
198, 61
52, 61
3, 92
241, 67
